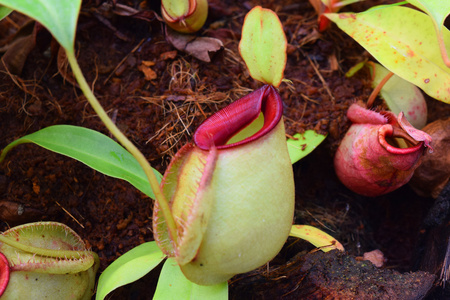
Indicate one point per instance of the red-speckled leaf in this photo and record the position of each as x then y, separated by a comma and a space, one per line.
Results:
438, 10
263, 46
303, 144
404, 41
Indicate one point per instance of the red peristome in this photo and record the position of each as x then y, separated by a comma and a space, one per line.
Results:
4, 273
224, 124
387, 131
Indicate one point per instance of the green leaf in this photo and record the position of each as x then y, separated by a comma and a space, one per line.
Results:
316, 237
91, 148
263, 46
4, 11
404, 41
128, 268
353, 70
172, 284
304, 144
401, 95
58, 16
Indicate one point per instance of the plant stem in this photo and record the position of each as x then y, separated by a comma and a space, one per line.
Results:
126, 143
378, 88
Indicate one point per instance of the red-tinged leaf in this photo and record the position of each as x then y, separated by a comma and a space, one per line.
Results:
263, 46
404, 41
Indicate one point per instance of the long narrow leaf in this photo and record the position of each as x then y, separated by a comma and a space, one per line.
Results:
172, 284
317, 237
58, 16
404, 41
128, 268
91, 148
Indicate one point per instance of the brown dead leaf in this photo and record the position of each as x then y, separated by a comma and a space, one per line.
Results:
17, 213
148, 63
149, 74
168, 55
14, 58
199, 47
18, 48
126, 11
434, 173
332, 60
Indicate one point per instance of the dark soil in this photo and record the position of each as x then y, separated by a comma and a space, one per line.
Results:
160, 115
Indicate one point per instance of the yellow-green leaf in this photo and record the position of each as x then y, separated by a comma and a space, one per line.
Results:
317, 237
304, 144
263, 46
438, 10
404, 41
